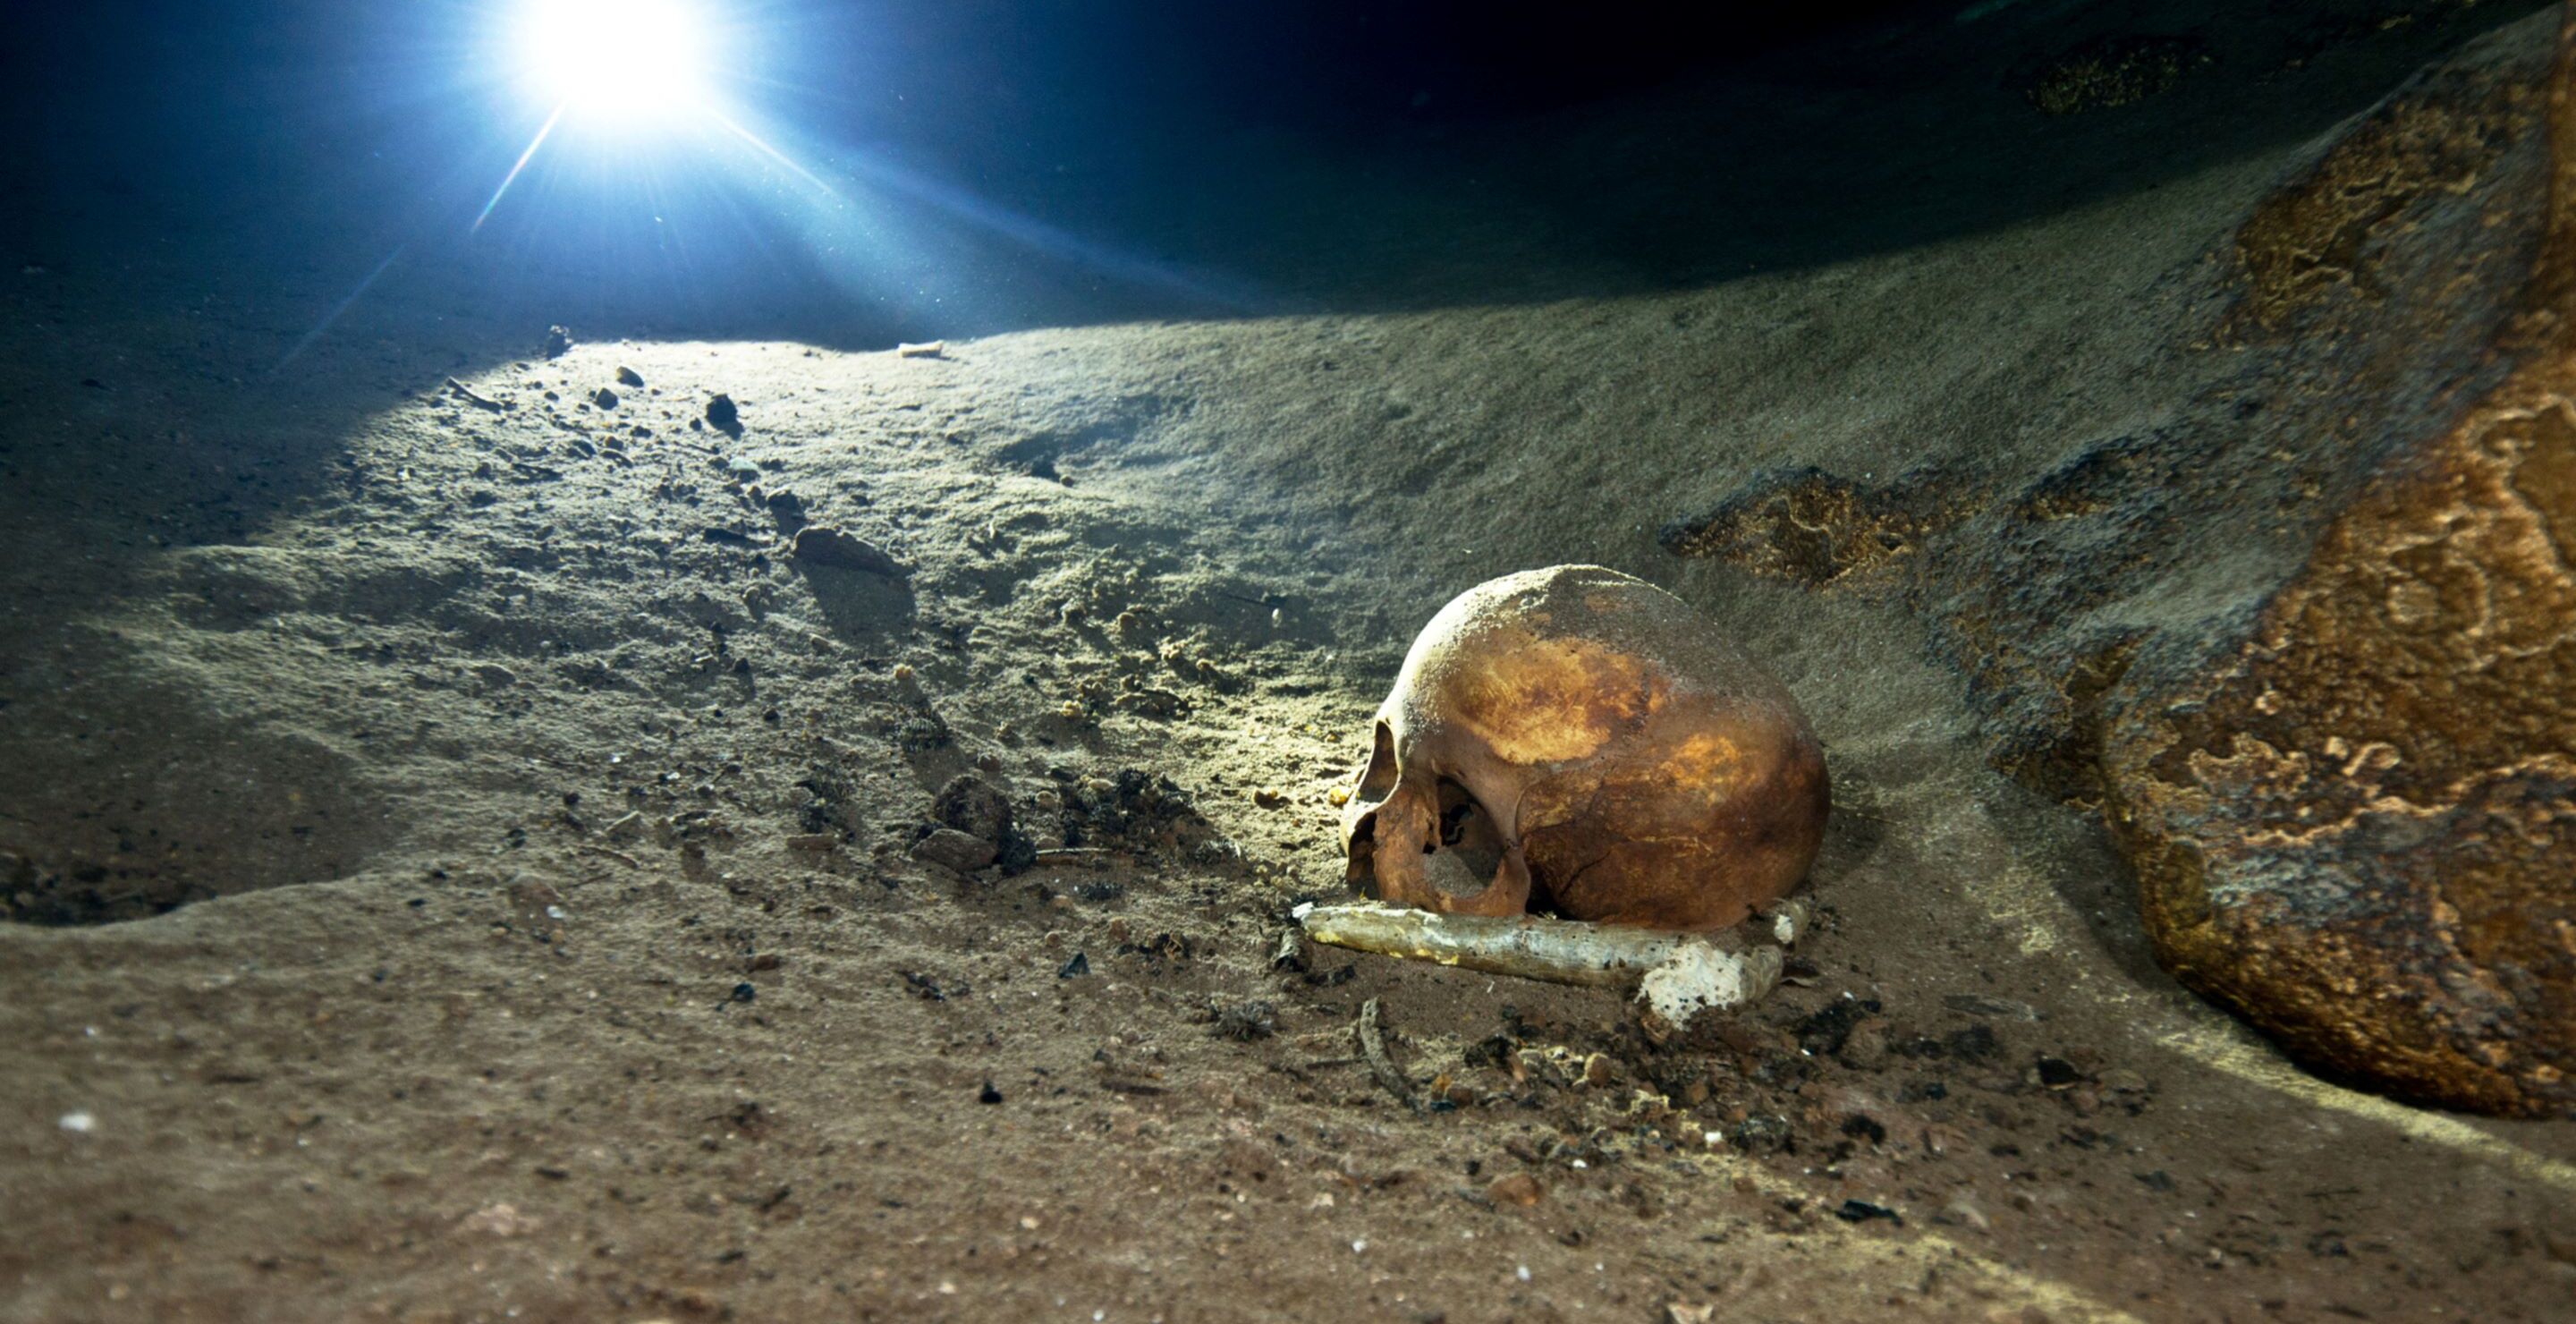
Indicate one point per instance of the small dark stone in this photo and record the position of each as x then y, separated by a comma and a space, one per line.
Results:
604, 398
989, 1094
975, 807
723, 416
2158, 1180
629, 377
558, 341
1247, 1021
1861, 1211
1494, 1050
1824, 1032
2057, 1073
744, 992
1761, 1133
1862, 1125
1079, 965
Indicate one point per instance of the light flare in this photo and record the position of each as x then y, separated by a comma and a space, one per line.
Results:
624, 64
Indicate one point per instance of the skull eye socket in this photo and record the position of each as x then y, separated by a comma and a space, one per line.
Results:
1376, 783
1378, 780
1467, 837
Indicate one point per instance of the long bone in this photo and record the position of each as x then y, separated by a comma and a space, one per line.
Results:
1679, 975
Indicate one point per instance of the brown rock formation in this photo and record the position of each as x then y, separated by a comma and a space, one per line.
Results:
2360, 831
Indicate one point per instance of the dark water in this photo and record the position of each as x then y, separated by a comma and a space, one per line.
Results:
963, 168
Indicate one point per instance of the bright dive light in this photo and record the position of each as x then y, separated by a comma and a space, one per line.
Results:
622, 62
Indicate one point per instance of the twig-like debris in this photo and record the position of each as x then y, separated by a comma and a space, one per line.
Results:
1289, 954
1086, 857
468, 395
1373, 1047
1680, 975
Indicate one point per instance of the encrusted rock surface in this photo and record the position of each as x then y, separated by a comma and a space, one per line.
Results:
2361, 833
2308, 637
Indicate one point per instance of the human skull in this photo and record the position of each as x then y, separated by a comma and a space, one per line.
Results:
1578, 741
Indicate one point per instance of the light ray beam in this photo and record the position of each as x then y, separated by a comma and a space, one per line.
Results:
522, 164
337, 309
774, 154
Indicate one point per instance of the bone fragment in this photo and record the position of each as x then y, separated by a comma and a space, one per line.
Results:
1681, 975
1557, 950
1699, 977
1788, 920
467, 394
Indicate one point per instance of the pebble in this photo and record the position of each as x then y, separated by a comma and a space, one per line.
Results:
952, 849
500, 1220
1866, 1049
821, 545
1519, 1189
629, 377
975, 807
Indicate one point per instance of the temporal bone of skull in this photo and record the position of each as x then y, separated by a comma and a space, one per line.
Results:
1581, 742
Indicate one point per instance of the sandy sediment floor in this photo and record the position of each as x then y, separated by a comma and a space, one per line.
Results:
551, 940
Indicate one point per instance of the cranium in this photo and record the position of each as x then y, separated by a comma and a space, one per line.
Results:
1578, 741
